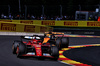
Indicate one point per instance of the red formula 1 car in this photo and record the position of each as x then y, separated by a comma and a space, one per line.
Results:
34, 46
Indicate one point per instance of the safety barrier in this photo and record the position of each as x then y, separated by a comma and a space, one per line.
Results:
58, 23
15, 27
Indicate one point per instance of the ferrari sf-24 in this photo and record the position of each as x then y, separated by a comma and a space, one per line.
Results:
40, 46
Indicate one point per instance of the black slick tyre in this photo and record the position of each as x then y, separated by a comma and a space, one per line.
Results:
58, 43
64, 42
55, 52
14, 46
21, 49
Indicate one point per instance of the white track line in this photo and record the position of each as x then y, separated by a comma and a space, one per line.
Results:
65, 63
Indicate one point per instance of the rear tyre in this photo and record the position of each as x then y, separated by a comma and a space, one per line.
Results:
64, 42
21, 49
14, 46
58, 43
55, 52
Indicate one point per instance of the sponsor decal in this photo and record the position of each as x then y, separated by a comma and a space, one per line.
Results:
8, 27
6, 20
30, 53
45, 54
38, 48
43, 29
70, 23
52, 23
93, 24
50, 29
27, 22
29, 28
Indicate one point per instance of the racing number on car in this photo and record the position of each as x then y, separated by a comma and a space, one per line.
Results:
8, 27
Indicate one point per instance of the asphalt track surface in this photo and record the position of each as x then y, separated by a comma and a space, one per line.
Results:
86, 55
8, 59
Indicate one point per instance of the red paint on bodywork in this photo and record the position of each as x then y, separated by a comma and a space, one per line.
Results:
38, 50
37, 44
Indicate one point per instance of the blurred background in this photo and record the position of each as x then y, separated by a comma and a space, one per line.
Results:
50, 9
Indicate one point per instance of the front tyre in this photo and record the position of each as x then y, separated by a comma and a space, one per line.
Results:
21, 49
14, 46
55, 52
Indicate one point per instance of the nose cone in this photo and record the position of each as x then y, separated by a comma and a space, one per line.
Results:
38, 52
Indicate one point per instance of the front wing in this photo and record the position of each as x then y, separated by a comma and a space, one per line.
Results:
33, 54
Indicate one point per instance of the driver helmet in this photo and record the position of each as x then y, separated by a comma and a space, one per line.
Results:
48, 35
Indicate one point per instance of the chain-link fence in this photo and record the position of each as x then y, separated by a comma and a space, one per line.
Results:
49, 12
